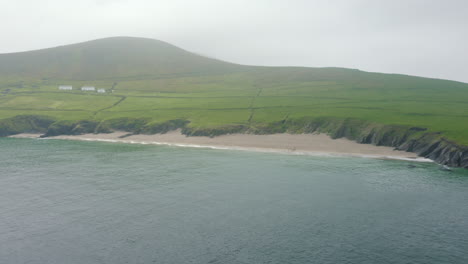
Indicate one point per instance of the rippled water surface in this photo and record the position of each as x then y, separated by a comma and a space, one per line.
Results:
90, 202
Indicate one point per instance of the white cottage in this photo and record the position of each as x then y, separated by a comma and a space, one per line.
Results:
65, 87
88, 88
101, 90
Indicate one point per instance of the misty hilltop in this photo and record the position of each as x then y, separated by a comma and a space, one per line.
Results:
110, 58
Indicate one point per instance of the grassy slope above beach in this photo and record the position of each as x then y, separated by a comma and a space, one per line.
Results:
154, 82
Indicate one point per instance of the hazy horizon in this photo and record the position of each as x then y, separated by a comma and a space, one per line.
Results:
405, 37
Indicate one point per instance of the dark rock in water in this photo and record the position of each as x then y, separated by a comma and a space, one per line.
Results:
127, 135
411, 166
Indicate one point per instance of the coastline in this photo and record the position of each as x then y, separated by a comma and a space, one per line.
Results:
296, 144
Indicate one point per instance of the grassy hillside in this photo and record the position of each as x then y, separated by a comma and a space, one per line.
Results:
155, 82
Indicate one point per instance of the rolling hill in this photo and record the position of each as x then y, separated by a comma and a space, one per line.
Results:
117, 57
152, 86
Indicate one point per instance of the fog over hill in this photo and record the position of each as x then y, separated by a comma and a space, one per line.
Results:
109, 58
417, 37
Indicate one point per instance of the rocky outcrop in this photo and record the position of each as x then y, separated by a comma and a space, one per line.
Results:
24, 124
431, 145
413, 139
132, 125
214, 131
65, 127
438, 149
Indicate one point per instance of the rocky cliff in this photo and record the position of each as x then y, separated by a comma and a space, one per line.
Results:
425, 143
431, 145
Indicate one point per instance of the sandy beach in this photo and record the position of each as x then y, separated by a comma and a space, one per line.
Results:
300, 144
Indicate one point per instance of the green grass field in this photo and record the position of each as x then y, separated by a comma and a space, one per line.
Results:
213, 93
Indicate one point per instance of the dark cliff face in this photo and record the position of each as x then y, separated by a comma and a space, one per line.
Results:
24, 124
428, 145
442, 151
132, 125
412, 139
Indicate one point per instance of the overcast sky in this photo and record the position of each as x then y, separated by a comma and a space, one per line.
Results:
416, 37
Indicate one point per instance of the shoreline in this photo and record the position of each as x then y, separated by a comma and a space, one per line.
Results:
294, 144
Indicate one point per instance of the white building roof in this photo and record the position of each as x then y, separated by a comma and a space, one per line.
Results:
89, 88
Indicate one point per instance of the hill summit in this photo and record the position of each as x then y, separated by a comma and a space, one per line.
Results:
115, 57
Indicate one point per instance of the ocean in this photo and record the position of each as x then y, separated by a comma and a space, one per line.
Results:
94, 202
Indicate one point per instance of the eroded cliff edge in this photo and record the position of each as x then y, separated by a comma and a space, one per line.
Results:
428, 144
419, 140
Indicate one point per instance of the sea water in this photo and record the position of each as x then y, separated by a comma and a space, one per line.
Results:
93, 202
